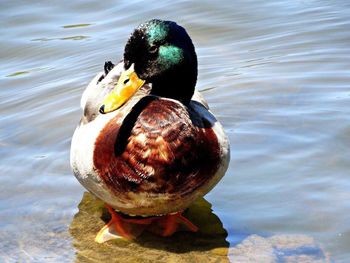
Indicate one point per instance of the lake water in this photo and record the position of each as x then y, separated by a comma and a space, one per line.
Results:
275, 73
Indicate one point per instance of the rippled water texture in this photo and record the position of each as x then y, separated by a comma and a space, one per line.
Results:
275, 73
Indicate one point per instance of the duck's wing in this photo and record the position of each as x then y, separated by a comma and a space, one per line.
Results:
161, 147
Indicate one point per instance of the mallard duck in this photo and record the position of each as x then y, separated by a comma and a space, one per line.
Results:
147, 144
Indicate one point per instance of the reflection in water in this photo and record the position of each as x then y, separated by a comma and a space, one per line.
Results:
76, 25
18, 73
44, 39
207, 245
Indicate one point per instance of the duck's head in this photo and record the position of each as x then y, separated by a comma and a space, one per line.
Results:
158, 52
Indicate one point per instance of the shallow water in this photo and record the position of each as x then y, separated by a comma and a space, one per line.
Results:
276, 75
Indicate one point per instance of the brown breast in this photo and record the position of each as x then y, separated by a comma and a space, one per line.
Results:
161, 147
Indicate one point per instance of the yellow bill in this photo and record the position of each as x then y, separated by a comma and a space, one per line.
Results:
126, 87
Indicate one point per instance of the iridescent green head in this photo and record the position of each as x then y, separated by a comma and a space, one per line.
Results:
163, 54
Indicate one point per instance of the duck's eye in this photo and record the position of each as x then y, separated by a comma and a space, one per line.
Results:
126, 81
153, 49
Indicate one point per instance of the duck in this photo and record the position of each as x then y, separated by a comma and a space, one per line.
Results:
147, 144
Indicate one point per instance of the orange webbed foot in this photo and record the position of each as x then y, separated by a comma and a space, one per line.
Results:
131, 228
169, 224
120, 227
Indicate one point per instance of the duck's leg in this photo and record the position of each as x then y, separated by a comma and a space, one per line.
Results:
171, 223
113, 229
131, 228
120, 227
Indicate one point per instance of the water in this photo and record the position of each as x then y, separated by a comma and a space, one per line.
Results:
276, 75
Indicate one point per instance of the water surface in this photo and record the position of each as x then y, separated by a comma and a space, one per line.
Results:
276, 75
